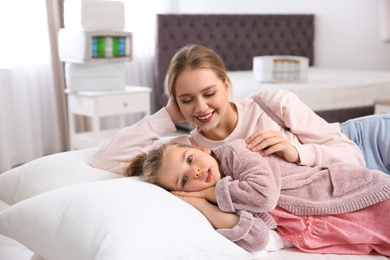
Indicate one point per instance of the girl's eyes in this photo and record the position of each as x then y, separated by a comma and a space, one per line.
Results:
184, 181
190, 159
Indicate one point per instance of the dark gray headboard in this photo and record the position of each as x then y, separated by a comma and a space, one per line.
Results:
236, 38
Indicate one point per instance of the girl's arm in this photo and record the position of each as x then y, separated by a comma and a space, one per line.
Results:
208, 194
218, 218
115, 156
244, 229
252, 182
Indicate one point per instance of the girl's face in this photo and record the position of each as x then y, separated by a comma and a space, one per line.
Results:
188, 169
202, 98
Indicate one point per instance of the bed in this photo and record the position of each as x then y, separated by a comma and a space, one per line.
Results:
58, 207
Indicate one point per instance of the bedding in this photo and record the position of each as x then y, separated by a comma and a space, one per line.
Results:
65, 209
325, 89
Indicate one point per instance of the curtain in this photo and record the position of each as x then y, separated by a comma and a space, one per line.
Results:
33, 119
141, 22
29, 116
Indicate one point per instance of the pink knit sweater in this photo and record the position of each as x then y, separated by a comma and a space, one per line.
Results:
254, 185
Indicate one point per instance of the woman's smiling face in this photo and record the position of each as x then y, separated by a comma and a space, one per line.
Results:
202, 98
188, 169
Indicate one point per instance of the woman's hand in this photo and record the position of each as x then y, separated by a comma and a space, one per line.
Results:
208, 194
174, 111
272, 142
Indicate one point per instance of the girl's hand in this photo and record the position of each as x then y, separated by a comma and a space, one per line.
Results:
196, 202
215, 215
272, 142
208, 194
174, 111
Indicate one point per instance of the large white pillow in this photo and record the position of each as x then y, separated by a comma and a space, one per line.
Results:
114, 219
49, 173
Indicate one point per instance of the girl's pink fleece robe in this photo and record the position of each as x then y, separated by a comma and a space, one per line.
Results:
317, 141
254, 185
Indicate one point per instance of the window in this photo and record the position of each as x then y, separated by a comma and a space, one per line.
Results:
22, 24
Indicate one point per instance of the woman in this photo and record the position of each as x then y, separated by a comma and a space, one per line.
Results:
199, 93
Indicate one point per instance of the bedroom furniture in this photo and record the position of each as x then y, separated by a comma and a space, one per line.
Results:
97, 104
324, 90
277, 68
239, 38
382, 105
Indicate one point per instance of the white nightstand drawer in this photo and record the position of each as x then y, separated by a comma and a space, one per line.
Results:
123, 104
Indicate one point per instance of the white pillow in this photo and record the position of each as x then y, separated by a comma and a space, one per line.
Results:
49, 173
115, 219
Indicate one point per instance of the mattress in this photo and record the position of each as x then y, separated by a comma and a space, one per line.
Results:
325, 89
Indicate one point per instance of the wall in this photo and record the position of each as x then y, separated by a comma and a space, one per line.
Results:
347, 31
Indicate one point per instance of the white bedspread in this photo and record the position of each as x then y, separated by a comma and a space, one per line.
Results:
326, 89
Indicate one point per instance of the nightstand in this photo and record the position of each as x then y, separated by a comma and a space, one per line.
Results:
97, 104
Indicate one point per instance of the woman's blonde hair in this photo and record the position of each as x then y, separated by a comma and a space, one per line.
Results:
193, 57
147, 166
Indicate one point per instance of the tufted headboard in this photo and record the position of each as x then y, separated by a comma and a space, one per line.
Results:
236, 38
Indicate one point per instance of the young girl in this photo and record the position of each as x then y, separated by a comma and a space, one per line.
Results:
199, 89
338, 209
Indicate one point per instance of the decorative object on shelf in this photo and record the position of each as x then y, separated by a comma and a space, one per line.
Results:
280, 68
94, 15
98, 77
80, 46
94, 45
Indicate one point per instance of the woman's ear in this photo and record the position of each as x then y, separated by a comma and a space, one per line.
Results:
227, 85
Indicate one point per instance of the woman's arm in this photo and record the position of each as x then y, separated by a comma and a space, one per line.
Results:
273, 142
319, 142
115, 156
